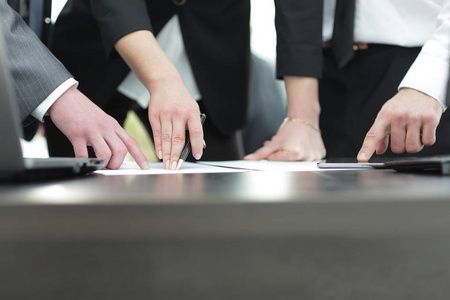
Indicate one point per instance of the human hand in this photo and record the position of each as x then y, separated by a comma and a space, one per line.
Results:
294, 141
410, 118
85, 124
172, 110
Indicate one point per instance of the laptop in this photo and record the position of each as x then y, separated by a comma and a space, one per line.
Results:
13, 166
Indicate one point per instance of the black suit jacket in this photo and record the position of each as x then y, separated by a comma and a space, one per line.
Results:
299, 37
215, 33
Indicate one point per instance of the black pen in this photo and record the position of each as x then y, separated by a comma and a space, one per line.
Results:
187, 146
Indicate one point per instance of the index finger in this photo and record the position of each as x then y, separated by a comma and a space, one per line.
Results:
374, 137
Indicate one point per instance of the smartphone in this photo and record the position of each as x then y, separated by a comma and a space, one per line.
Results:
350, 163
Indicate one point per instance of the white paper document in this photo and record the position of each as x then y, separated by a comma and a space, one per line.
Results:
265, 165
274, 166
131, 168
231, 166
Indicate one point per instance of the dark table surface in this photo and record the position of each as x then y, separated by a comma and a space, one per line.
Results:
368, 234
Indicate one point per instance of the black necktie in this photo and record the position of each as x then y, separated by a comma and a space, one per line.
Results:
342, 42
36, 15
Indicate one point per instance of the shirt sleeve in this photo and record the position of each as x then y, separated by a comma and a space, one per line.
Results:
430, 70
42, 109
299, 37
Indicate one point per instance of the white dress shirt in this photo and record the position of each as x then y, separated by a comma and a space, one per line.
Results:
408, 23
42, 109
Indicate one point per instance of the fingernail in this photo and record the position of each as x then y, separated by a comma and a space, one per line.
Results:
160, 154
197, 156
248, 156
146, 165
362, 156
204, 144
174, 165
166, 165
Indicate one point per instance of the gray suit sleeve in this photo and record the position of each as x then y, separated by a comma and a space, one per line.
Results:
36, 73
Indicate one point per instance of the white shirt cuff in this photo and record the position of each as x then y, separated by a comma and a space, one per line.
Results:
42, 109
429, 73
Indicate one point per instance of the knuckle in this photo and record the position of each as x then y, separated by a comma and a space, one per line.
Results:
178, 139
178, 113
398, 117
152, 115
383, 113
431, 120
156, 133
397, 149
131, 141
111, 120
166, 137
113, 166
412, 148
371, 135
428, 141
193, 111
386, 112
166, 113
103, 127
121, 151
77, 133
414, 119
103, 153
195, 131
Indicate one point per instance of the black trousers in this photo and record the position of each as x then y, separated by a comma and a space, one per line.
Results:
351, 98
218, 146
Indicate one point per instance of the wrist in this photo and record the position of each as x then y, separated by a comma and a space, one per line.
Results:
304, 123
57, 105
303, 99
309, 114
155, 83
